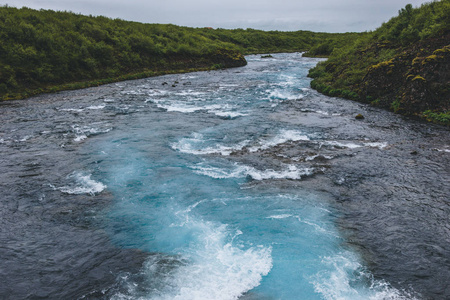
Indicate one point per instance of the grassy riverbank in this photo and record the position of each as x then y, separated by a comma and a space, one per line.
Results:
46, 51
403, 66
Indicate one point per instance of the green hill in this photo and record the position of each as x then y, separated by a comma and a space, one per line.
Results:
45, 51
403, 66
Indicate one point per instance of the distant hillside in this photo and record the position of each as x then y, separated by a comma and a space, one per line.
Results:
48, 51
45, 51
404, 65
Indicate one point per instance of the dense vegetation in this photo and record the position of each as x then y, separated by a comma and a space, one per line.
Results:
44, 50
251, 41
404, 65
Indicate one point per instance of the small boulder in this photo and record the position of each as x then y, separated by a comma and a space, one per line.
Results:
359, 117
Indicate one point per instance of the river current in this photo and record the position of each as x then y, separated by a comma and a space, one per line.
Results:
234, 184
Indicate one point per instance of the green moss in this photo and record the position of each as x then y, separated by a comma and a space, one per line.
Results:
375, 102
395, 105
417, 60
419, 78
437, 117
446, 49
428, 59
389, 63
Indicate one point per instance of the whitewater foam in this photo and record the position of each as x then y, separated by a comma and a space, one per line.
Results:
242, 171
80, 138
216, 266
283, 95
72, 109
379, 145
281, 138
341, 145
83, 184
338, 281
283, 216
83, 132
95, 107
195, 145
25, 138
225, 111
313, 157
227, 114
350, 145
190, 93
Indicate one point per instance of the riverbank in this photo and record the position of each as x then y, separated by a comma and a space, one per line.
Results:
225, 59
403, 66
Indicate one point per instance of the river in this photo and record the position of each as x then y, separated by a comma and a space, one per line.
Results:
232, 184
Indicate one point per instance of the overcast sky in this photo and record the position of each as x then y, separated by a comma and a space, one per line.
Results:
286, 15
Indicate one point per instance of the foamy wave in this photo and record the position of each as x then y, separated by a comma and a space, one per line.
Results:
442, 150
313, 157
283, 95
25, 138
72, 109
283, 137
211, 268
341, 145
287, 80
228, 114
180, 108
321, 112
376, 145
222, 272
283, 216
83, 132
186, 108
350, 145
83, 185
80, 138
338, 282
94, 107
195, 145
242, 171
217, 109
